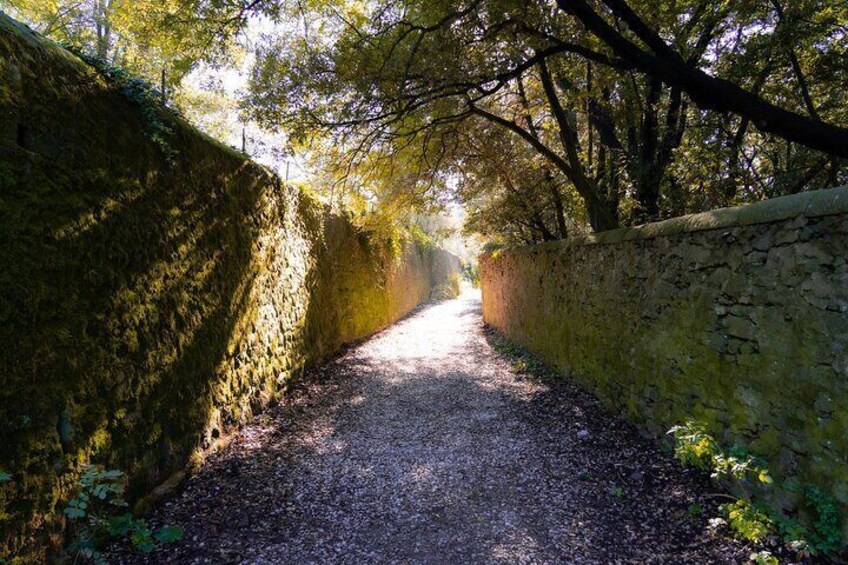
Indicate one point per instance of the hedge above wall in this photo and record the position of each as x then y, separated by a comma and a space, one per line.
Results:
736, 319
154, 291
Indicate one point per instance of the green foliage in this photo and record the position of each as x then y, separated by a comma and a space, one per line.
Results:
144, 36
751, 523
421, 238
618, 492
694, 447
471, 273
450, 288
763, 558
826, 533
820, 534
737, 463
695, 509
492, 246
140, 92
92, 513
397, 83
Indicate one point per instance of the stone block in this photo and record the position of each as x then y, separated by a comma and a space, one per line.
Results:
741, 318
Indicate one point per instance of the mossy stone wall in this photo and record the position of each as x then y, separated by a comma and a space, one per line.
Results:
736, 318
148, 304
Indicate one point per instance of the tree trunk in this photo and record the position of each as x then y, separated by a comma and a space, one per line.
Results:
708, 92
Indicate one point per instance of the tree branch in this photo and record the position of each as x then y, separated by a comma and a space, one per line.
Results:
708, 92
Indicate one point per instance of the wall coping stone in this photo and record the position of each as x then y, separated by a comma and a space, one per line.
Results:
812, 204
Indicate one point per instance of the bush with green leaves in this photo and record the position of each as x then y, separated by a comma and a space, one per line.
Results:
820, 533
694, 447
763, 558
826, 534
96, 516
750, 522
471, 273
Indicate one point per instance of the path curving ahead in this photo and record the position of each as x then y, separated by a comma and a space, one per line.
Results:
421, 445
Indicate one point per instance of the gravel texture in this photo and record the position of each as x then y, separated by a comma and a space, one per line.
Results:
423, 445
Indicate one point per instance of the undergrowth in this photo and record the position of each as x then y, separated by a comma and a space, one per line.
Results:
449, 288
95, 517
523, 362
750, 517
471, 273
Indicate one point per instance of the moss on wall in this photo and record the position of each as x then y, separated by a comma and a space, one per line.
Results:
149, 303
737, 319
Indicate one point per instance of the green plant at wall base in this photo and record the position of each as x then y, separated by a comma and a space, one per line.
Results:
751, 523
737, 463
695, 509
92, 512
821, 533
763, 558
694, 447
826, 534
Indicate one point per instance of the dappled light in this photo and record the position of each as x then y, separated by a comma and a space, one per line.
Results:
472, 281
409, 447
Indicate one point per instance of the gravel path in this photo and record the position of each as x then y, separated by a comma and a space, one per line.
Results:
421, 445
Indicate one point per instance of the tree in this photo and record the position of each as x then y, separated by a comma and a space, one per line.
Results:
393, 75
664, 63
144, 36
396, 71
614, 112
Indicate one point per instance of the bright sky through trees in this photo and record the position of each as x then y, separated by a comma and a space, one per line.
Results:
541, 119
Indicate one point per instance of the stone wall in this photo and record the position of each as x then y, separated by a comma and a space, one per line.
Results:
736, 318
154, 291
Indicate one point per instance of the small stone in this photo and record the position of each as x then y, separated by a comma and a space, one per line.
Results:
764, 242
583, 434
740, 327
786, 237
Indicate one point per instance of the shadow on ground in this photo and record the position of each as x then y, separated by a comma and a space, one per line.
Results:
422, 445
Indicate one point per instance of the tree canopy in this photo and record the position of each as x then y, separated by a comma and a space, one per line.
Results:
543, 118
635, 110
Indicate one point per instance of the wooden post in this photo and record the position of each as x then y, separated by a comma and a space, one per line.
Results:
243, 141
287, 171
164, 96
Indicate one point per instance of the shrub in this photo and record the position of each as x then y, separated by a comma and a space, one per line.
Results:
449, 288
821, 532
92, 512
749, 522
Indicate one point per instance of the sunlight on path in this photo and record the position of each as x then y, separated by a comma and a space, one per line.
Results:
425, 448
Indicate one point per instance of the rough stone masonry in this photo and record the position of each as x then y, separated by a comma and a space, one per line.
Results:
150, 300
736, 318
